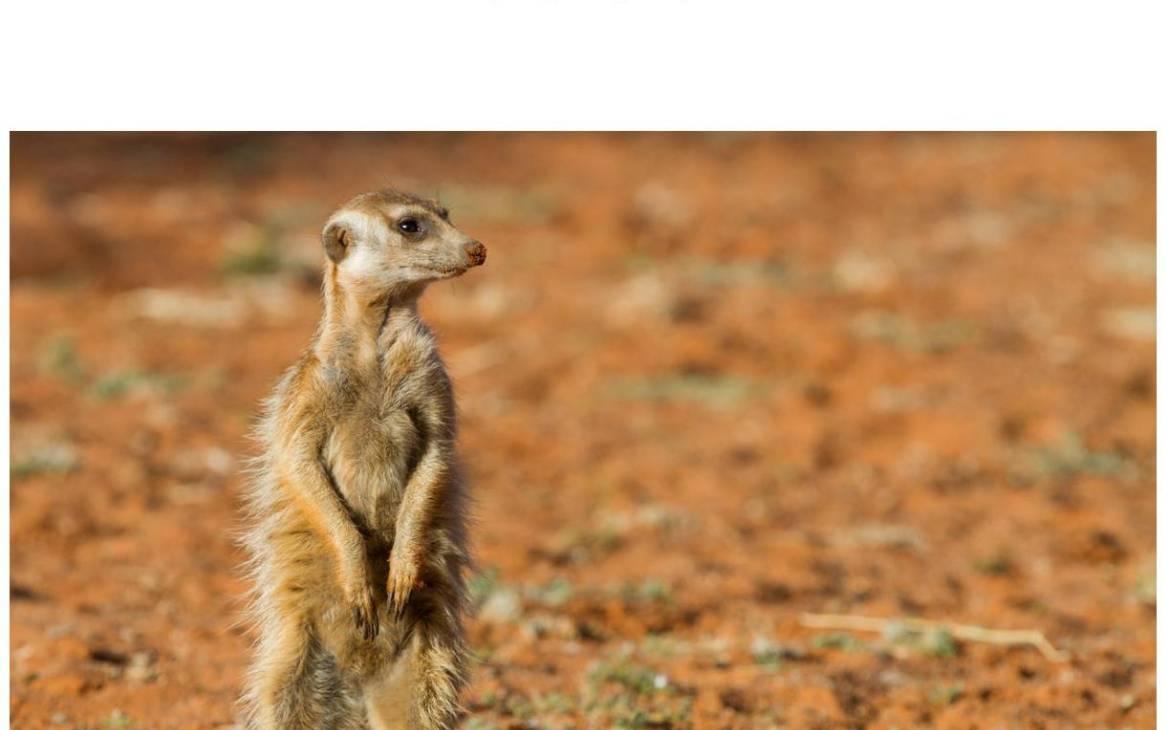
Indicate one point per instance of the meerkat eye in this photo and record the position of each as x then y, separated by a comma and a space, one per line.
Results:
410, 226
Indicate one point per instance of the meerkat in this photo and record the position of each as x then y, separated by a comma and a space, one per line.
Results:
355, 510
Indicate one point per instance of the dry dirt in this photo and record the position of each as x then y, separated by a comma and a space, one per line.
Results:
708, 384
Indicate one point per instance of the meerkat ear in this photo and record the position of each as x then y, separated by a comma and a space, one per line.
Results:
336, 238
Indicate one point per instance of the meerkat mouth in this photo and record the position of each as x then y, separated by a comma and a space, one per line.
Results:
448, 273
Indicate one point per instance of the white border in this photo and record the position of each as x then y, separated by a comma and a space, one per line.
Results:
5, 447
607, 64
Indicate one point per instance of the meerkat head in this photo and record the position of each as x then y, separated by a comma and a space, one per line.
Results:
389, 241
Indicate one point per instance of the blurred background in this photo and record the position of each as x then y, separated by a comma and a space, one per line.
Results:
709, 384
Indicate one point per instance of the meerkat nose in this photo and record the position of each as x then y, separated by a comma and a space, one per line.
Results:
476, 252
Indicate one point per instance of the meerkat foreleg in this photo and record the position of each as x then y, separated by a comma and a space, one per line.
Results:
422, 497
305, 477
426, 551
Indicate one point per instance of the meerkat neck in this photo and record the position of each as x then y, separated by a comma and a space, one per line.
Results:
361, 327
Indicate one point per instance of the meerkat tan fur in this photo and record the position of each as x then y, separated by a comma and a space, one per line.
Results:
355, 510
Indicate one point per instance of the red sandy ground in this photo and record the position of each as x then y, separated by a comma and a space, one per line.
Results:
708, 383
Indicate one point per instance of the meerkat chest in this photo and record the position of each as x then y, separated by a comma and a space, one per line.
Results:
377, 441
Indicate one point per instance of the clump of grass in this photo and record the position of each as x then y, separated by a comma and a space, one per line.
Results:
664, 646
557, 593
1071, 457
48, 459
653, 516
634, 696
117, 719
838, 640
482, 584
650, 590
487, 700
997, 564
947, 694
257, 255
62, 360
936, 641
584, 545
518, 706
631, 677
771, 656
482, 654
553, 703
120, 383
644, 720
896, 331
939, 643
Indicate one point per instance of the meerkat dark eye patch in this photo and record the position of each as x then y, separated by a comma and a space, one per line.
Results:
412, 227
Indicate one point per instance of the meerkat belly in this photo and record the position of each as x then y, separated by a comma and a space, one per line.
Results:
370, 457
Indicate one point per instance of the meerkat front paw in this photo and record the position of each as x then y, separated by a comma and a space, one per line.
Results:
362, 602
364, 608
403, 579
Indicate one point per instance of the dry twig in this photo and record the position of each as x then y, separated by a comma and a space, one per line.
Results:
965, 632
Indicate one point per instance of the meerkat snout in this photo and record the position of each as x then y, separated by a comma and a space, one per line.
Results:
476, 253
388, 241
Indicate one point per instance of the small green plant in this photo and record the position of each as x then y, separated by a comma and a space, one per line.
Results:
767, 654
518, 706
584, 545
939, 643
936, 642
838, 640
558, 592
630, 695
896, 331
48, 459
120, 383
650, 590
116, 720
997, 564
947, 694
1071, 457
257, 255
553, 703
61, 359
633, 677
482, 584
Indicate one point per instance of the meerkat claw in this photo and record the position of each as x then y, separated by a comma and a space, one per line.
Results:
365, 617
